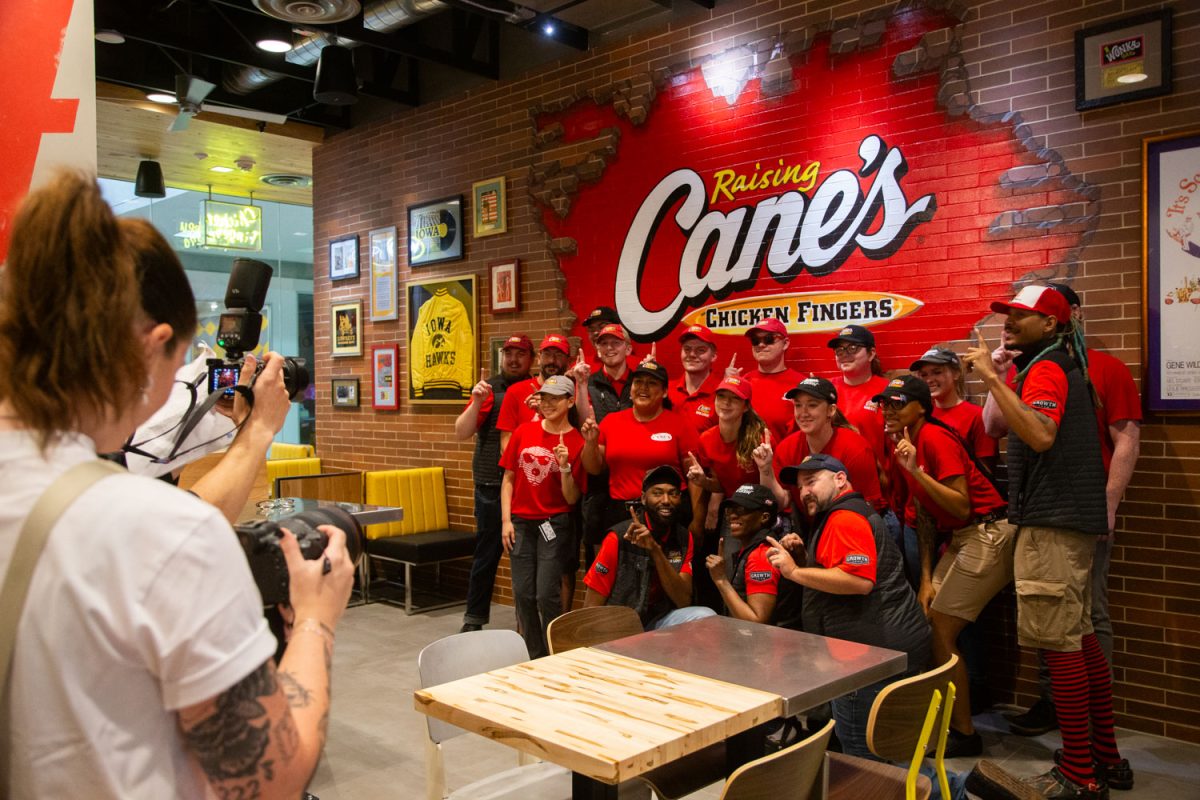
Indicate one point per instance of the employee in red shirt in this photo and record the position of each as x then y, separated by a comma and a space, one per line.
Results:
692, 394
772, 377
543, 479
950, 495
748, 583
594, 322
940, 369
520, 401
861, 379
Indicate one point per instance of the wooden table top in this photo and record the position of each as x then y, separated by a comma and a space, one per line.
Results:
606, 716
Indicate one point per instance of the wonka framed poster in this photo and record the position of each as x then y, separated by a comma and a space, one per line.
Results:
442, 339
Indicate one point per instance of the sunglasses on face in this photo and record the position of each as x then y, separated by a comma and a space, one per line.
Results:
766, 338
847, 349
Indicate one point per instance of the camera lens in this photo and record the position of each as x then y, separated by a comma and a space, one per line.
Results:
295, 376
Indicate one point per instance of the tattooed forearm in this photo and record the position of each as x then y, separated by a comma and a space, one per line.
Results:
226, 743
298, 696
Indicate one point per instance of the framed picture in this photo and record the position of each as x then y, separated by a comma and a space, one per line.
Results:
435, 232
1171, 272
442, 344
343, 258
1129, 59
505, 286
383, 273
344, 392
489, 207
347, 328
384, 359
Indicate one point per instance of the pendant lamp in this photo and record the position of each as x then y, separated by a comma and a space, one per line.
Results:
336, 83
149, 182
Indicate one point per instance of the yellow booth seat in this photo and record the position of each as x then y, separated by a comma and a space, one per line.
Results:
289, 468
423, 537
285, 450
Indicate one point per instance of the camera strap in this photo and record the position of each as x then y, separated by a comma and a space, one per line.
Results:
200, 411
31, 541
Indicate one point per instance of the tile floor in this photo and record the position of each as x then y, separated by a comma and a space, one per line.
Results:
376, 739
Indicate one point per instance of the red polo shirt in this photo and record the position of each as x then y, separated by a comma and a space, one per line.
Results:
514, 411
632, 447
720, 457
847, 543
966, 419
846, 446
697, 408
769, 402
943, 457
856, 405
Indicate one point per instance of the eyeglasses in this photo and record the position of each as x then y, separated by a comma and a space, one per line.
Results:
847, 349
894, 405
766, 338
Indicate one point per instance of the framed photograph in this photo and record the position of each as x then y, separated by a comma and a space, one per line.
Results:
343, 257
383, 273
442, 343
489, 207
384, 360
1129, 59
506, 286
435, 232
1171, 272
344, 392
347, 328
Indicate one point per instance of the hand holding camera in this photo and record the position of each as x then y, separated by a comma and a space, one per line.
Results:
319, 588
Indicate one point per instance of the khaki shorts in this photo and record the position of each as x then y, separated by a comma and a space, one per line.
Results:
1054, 589
975, 567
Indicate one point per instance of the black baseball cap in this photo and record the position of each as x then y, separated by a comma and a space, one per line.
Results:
660, 475
1067, 292
935, 355
603, 314
753, 497
812, 463
855, 334
907, 389
815, 387
652, 368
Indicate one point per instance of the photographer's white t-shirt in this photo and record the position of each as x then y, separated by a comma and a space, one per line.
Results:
141, 604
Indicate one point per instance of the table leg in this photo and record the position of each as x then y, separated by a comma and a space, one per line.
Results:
585, 788
744, 747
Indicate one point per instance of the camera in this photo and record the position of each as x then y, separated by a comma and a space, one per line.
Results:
239, 329
260, 541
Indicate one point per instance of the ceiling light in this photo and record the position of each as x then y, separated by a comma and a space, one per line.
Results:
161, 97
110, 36
273, 45
336, 83
149, 181
548, 29
220, 169
1133, 77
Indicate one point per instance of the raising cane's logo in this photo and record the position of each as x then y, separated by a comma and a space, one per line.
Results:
786, 233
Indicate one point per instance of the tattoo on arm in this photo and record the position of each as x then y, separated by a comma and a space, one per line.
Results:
298, 696
227, 744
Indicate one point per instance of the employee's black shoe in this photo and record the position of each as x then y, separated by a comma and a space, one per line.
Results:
1053, 785
988, 781
1117, 776
468, 627
959, 745
1039, 719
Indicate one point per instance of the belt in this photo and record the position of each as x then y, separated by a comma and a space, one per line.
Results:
993, 516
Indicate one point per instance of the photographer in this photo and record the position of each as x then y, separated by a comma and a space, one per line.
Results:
141, 665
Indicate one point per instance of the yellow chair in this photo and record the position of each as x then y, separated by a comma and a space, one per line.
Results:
290, 468
285, 450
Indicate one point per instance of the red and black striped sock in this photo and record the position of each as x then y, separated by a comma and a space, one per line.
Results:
1104, 740
1069, 685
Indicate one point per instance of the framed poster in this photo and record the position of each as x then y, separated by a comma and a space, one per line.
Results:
505, 285
1171, 272
1129, 59
435, 232
347, 328
383, 273
489, 208
442, 343
344, 392
343, 257
384, 359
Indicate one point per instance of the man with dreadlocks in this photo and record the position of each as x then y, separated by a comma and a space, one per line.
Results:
1057, 500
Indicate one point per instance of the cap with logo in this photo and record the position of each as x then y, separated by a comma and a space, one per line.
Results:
812, 463
652, 368
556, 341
612, 330
557, 384
518, 342
1041, 299
769, 325
907, 389
660, 475
1067, 292
752, 497
737, 386
602, 314
814, 387
698, 332
935, 355
854, 334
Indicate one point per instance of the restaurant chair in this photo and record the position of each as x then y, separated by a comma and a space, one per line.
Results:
798, 772
902, 723
290, 468
585, 627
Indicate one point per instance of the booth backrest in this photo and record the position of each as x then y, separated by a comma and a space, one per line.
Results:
285, 450
420, 492
289, 467
343, 487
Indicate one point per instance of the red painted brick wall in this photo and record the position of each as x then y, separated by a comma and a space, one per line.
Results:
1019, 58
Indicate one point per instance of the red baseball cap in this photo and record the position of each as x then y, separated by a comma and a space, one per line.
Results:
769, 325
557, 341
699, 332
1042, 299
738, 386
520, 342
613, 329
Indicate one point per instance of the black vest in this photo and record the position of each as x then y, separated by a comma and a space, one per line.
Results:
635, 568
1063, 487
889, 615
485, 464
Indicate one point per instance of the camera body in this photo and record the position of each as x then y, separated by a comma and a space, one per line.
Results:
260, 541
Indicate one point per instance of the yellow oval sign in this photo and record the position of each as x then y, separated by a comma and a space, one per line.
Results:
804, 312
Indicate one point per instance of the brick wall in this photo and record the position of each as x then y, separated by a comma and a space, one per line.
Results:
1015, 61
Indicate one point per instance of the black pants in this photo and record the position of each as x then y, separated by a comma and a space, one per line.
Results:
488, 549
